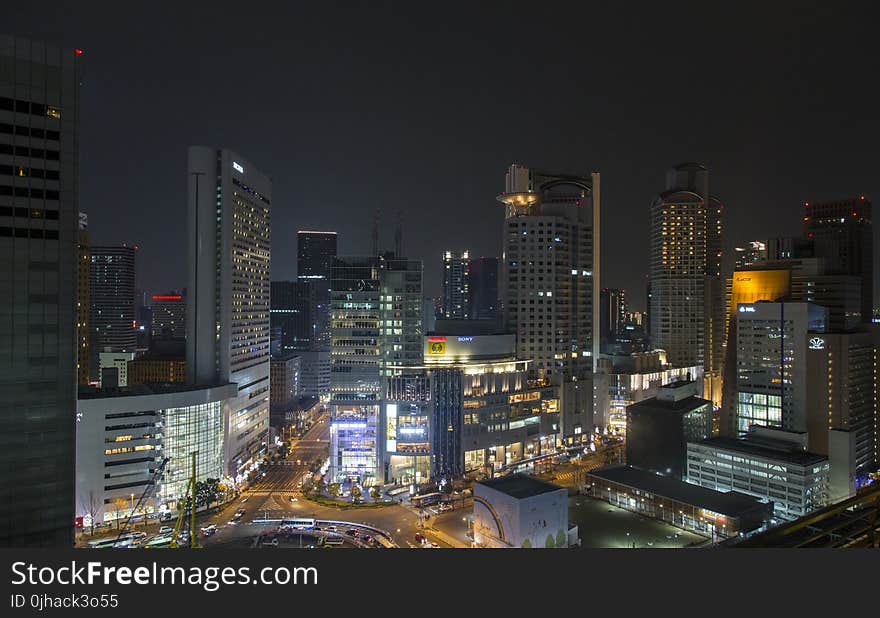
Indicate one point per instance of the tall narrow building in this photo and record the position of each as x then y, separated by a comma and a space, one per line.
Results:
83, 300
112, 316
456, 285
227, 313
483, 287
842, 234
39, 192
314, 258
686, 302
551, 283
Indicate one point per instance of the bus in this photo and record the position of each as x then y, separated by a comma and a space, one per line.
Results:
332, 541
123, 540
298, 523
426, 499
159, 541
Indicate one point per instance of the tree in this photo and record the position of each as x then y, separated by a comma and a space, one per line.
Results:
561, 538
549, 543
356, 492
526, 544
318, 486
375, 493
92, 506
207, 492
334, 489
120, 504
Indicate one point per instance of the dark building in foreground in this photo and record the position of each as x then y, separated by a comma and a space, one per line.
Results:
658, 429
39, 178
687, 506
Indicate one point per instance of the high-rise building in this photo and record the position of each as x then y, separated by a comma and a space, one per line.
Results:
83, 300
314, 258
112, 318
687, 309
484, 301
456, 285
227, 313
295, 315
612, 314
842, 233
550, 274
169, 315
39, 187
376, 322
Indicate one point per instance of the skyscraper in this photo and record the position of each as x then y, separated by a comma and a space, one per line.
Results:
228, 291
456, 285
612, 313
484, 303
169, 315
314, 258
755, 251
39, 187
83, 300
550, 282
112, 315
376, 322
842, 234
687, 310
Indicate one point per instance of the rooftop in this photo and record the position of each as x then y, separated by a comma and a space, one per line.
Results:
93, 392
769, 448
654, 404
520, 486
731, 504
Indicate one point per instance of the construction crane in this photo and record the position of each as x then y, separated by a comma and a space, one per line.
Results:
189, 496
148, 491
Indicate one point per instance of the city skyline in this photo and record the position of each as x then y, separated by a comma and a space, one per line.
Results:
762, 95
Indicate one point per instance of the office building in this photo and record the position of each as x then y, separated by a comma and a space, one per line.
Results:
625, 379
114, 365
294, 314
550, 276
124, 434
702, 510
773, 466
314, 379
285, 375
841, 232
227, 313
612, 314
83, 300
39, 187
376, 322
687, 311
456, 285
168, 319
483, 287
521, 511
658, 429
152, 369
772, 340
113, 319
314, 258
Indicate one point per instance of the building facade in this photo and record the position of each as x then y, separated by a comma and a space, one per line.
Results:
168, 315
483, 288
112, 318
550, 275
686, 301
39, 189
228, 294
315, 251
456, 285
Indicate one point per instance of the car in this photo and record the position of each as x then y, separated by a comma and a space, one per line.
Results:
293, 499
165, 530
420, 539
245, 499
352, 532
331, 528
232, 522
446, 506
272, 543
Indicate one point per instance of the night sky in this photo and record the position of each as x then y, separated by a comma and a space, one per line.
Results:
420, 107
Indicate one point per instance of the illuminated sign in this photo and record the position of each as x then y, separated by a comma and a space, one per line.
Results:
237, 167
465, 338
436, 348
817, 343
167, 297
746, 309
